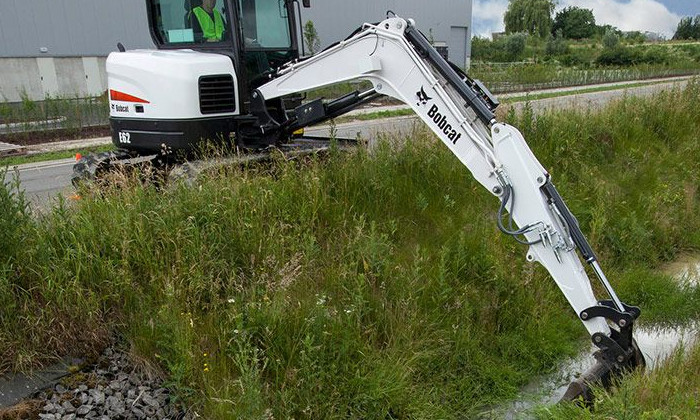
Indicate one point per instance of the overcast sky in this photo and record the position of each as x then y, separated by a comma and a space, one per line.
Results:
660, 16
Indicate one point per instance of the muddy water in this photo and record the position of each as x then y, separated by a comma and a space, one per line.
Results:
656, 343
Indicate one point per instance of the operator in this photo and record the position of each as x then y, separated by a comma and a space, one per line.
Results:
209, 20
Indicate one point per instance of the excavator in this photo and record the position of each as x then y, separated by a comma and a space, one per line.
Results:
240, 76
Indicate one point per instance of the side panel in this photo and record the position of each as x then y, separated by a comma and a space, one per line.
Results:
165, 82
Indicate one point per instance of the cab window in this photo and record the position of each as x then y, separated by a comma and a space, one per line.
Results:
265, 24
189, 21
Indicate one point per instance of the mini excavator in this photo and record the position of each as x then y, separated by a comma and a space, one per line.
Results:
239, 78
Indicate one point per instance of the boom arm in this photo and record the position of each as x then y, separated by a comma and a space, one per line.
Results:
399, 62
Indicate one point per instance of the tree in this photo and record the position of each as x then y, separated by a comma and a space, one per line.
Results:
311, 38
688, 28
575, 23
531, 16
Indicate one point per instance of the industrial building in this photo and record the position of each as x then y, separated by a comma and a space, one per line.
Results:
58, 48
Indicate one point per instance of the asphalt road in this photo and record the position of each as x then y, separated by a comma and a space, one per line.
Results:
43, 182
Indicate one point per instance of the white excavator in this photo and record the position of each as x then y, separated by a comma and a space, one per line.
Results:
232, 70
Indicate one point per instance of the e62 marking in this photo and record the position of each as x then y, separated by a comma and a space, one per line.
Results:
124, 137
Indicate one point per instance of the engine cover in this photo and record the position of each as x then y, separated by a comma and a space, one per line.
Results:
170, 99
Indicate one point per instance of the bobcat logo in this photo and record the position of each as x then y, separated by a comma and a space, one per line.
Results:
423, 97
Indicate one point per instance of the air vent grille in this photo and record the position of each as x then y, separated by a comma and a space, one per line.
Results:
217, 94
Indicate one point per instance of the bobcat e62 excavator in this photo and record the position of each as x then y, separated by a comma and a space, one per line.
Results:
240, 80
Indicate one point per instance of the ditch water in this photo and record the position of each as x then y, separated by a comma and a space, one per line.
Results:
656, 343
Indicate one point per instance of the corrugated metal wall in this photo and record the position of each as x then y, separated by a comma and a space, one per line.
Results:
65, 28
447, 20
57, 47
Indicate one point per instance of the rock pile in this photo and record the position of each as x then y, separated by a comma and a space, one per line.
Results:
112, 389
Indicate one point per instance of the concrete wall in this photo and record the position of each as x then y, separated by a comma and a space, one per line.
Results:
445, 20
38, 77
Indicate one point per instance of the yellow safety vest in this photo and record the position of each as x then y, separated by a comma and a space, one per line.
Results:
212, 29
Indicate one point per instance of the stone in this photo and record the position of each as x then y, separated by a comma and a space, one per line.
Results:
138, 413
68, 407
98, 396
83, 410
147, 399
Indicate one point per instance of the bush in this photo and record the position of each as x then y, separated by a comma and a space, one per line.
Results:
556, 45
611, 39
618, 56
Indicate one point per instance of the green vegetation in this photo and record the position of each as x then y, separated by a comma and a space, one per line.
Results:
570, 49
523, 77
688, 28
574, 23
531, 16
311, 38
360, 285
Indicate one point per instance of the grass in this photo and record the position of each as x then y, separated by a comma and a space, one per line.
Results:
356, 285
46, 156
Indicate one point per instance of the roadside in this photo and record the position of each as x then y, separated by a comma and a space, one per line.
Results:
15, 155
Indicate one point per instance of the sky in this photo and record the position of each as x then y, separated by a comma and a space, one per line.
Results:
660, 16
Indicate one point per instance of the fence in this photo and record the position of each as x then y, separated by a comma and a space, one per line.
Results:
65, 114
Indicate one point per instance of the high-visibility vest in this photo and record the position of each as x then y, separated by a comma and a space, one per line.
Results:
212, 29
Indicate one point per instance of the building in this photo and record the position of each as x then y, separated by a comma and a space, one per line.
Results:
447, 21
58, 48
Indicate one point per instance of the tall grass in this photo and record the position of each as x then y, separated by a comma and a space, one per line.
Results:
361, 285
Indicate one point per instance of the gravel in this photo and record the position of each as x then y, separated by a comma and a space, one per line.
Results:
111, 389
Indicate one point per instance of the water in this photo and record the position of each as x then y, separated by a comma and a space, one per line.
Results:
656, 343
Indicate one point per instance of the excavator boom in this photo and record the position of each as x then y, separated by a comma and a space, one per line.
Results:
400, 62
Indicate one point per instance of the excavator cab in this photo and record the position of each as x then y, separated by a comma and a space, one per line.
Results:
198, 84
258, 35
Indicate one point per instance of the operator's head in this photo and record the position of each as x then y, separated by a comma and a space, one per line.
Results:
208, 5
